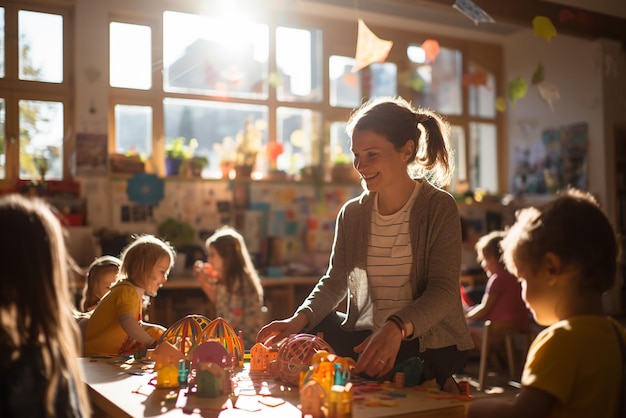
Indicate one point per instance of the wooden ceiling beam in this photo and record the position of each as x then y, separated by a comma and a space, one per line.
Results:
566, 19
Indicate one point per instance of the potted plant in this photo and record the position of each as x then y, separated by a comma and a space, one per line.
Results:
248, 146
176, 151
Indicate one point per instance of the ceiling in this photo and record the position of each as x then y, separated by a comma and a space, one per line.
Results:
510, 16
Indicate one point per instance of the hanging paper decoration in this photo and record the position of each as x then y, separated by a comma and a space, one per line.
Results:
431, 49
274, 79
549, 92
472, 11
538, 75
543, 27
477, 78
145, 189
369, 48
501, 104
516, 89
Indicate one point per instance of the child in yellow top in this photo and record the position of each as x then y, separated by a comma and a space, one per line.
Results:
101, 274
565, 254
116, 325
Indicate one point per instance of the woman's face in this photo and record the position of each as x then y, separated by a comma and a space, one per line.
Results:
216, 261
104, 282
377, 161
158, 276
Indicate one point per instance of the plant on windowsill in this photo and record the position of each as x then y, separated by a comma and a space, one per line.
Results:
343, 170
180, 158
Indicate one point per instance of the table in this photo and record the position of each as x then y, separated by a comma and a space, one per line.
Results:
116, 389
282, 296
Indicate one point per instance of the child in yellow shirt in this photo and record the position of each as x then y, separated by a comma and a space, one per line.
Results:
116, 325
565, 254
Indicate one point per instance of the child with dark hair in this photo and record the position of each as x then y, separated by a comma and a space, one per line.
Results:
231, 282
39, 339
502, 301
565, 253
101, 274
116, 325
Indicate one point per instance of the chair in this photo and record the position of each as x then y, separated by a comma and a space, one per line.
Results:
509, 336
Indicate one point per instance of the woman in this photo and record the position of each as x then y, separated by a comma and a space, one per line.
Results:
396, 252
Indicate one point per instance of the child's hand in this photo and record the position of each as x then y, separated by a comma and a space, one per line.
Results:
206, 272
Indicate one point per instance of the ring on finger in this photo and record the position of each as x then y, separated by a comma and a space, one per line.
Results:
381, 361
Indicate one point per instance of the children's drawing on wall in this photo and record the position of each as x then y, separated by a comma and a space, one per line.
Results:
557, 160
91, 154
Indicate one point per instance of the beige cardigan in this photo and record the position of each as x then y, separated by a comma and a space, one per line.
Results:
436, 313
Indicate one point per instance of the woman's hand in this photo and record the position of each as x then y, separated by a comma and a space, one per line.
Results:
379, 351
276, 331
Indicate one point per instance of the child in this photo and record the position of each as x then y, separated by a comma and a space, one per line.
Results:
231, 282
565, 253
38, 335
116, 327
101, 274
502, 301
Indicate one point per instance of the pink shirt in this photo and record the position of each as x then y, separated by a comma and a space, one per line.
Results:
509, 306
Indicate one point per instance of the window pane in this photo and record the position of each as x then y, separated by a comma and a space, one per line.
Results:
299, 132
484, 157
482, 99
41, 139
459, 177
130, 51
40, 46
133, 130
216, 126
299, 64
3, 144
215, 56
384, 79
2, 37
345, 86
437, 85
340, 152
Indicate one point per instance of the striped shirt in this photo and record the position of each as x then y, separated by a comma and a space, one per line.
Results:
389, 260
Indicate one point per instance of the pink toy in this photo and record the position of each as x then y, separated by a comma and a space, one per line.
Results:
211, 352
295, 355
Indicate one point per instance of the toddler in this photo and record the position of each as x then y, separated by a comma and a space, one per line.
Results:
116, 325
565, 253
101, 274
231, 282
502, 302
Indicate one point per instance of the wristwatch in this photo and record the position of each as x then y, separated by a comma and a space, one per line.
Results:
398, 321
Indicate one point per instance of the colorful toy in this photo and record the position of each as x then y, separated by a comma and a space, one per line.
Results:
186, 333
295, 354
221, 331
209, 380
211, 352
312, 396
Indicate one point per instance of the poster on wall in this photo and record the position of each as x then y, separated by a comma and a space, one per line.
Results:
557, 160
91, 154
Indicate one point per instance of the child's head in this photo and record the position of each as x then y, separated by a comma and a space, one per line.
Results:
229, 256
101, 274
488, 251
146, 262
569, 236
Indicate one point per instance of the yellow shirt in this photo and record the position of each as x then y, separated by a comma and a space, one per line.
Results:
104, 335
578, 361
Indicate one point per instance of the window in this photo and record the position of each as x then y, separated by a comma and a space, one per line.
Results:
213, 78
34, 92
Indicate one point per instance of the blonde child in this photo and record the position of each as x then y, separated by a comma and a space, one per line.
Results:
231, 282
101, 274
502, 301
565, 253
116, 325
38, 334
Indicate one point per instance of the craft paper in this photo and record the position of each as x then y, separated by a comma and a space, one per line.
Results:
145, 189
501, 104
472, 11
549, 92
431, 49
369, 48
516, 89
476, 78
543, 27
538, 75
